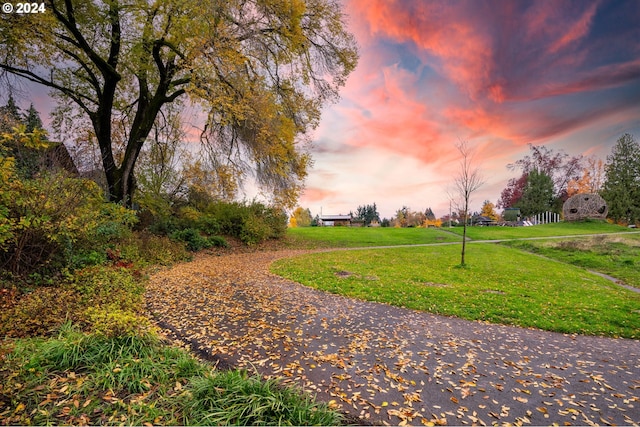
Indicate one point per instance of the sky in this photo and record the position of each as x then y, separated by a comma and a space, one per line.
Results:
497, 74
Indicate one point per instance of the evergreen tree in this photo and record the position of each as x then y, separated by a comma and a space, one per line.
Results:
367, 213
537, 196
32, 119
430, 215
10, 115
622, 180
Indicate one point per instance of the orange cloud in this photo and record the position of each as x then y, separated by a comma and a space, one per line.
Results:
315, 194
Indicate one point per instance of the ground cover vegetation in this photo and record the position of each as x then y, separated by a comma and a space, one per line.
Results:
77, 347
499, 284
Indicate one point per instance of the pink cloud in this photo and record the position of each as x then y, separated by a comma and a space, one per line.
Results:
315, 194
576, 30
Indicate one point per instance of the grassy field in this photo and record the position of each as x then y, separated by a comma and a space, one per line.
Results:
615, 255
500, 284
545, 230
351, 237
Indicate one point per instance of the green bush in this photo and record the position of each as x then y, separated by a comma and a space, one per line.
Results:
111, 321
192, 237
196, 241
44, 309
147, 249
208, 224
252, 223
254, 230
88, 258
218, 241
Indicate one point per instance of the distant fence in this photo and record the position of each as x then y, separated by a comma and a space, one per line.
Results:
544, 218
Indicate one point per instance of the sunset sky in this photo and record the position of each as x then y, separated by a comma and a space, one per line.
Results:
499, 74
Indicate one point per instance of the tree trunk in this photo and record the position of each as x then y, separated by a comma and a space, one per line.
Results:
464, 235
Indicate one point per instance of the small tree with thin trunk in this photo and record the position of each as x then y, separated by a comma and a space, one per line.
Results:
468, 180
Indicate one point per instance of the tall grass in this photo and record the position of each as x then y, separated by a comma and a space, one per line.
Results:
79, 378
235, 398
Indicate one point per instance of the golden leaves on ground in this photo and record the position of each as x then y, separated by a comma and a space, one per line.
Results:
387, 365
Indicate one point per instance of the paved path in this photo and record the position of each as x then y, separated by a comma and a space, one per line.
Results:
387, 365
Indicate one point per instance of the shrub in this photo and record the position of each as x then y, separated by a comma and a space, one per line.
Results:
254, 230
111, 321
54, 221
192, 237
189, 217
252, 223
104, 289
218, 241
103, 286
208, 224
39, 312
146, 248
196, 241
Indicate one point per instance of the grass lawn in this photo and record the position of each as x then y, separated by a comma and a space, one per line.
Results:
616, 255
351, 237
545, 230
500, 285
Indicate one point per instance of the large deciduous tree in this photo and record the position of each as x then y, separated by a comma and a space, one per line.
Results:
622, 180
260, 69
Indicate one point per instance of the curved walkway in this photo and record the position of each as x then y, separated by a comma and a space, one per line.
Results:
388, 365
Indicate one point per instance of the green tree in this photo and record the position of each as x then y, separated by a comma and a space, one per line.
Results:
10, 116
429, 214
32, 119
537, 196
622, 180
367, 213
29, 161
260, 69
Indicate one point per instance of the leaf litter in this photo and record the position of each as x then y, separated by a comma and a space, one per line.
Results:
391, 366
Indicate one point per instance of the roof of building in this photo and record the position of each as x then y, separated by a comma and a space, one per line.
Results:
334, 217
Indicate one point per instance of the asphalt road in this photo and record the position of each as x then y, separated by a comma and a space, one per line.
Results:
386, 365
